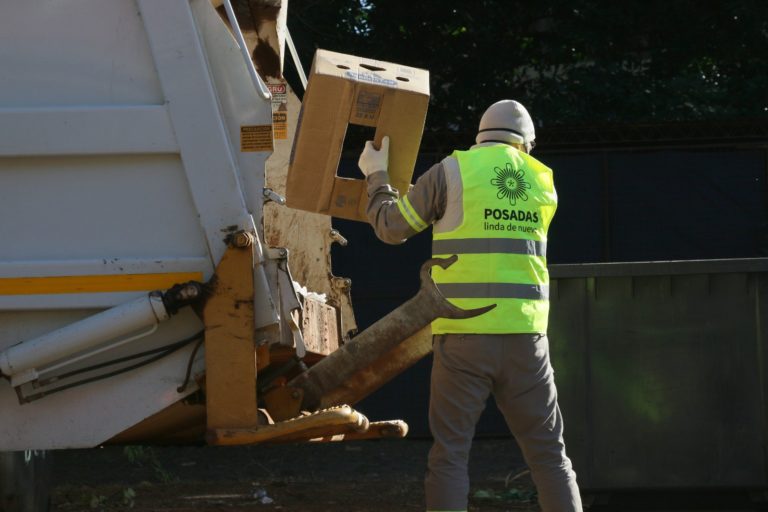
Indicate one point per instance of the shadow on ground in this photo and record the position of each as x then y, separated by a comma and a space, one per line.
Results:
382, 475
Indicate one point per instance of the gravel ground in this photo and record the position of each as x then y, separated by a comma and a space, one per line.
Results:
361, 476
382, 475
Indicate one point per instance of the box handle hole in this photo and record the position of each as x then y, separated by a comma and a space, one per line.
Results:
371, 68
342, 66
402, 79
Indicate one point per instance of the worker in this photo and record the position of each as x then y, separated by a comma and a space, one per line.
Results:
491, 205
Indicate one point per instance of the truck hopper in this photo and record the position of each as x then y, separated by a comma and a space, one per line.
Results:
150, 279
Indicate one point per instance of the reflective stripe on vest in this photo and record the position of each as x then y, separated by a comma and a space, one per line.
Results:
508, 201
490, 245
496, 290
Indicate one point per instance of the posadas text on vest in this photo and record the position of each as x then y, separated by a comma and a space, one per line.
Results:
519, 215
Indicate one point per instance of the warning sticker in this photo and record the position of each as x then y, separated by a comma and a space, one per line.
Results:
279, 93
280, 125
255, 138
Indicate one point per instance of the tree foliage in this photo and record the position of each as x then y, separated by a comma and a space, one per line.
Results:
588, 61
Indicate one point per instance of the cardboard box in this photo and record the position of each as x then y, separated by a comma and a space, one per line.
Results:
345, 89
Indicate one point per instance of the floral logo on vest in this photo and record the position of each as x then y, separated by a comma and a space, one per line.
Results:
511, 184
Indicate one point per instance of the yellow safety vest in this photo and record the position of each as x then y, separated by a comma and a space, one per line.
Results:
509, 200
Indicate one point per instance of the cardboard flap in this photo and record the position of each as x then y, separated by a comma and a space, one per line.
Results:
368, 71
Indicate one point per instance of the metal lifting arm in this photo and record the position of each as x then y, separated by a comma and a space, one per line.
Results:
24, 361
418, 312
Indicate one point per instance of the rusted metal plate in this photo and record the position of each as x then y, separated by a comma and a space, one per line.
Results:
319, 325
262, 357
230, 351
283, 403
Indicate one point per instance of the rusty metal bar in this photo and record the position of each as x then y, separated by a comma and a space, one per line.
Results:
367, 380
370, 345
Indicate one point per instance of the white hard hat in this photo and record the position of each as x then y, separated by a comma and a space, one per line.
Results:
506, 121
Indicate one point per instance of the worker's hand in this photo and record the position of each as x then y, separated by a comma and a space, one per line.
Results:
373, 160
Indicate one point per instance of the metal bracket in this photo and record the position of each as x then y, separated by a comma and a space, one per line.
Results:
337, 237
271, 195
342, 284
288, 300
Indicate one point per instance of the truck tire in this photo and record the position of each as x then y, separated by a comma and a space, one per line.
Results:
25, 481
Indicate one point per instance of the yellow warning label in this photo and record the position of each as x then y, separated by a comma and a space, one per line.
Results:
280, 125
255, 138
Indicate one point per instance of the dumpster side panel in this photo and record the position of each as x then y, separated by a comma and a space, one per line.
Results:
570, 343
671, 377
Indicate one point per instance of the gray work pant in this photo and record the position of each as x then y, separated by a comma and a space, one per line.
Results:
516, 369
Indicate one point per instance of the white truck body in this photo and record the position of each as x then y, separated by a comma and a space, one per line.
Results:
133, 139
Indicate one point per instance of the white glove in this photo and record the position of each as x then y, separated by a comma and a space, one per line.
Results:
373, 160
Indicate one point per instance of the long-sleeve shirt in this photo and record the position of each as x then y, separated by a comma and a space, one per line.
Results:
436, 196
427, 197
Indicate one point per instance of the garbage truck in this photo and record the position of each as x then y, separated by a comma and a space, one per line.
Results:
154, 288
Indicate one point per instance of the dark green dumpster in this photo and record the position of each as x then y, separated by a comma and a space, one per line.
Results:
660, 369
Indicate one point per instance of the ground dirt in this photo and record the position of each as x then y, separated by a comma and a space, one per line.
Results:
382, 475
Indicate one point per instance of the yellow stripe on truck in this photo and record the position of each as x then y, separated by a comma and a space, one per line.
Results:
94, 283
